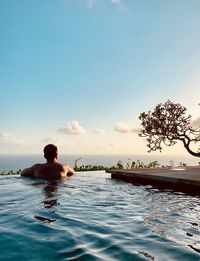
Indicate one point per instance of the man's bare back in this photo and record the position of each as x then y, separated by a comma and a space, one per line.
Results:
50, 170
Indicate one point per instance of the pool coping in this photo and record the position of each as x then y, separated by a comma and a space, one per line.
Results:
180, 178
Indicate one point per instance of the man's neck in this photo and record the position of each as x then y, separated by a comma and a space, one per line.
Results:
52, 161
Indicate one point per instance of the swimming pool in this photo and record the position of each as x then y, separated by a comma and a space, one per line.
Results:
93, 217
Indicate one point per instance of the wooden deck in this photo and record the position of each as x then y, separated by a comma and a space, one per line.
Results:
179, 178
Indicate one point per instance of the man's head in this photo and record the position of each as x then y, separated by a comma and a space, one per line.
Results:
50, 152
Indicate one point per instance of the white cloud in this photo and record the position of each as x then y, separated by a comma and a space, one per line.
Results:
72, 128
75, 128
6, 138
124, 127
196, 123
99, 131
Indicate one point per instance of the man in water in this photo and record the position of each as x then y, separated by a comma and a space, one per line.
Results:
51, 169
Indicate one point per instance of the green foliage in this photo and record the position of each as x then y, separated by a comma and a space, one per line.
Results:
120, 164
171, 163
76, 163
11, 172
128, 164
87, 167
136, 165
140, 164
153, 164
183, 164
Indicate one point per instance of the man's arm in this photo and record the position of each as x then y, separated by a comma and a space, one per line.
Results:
30, 172
69, 171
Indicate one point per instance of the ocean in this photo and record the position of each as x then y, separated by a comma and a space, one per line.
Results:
15, 162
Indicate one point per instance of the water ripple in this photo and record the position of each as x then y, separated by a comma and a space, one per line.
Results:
96, 218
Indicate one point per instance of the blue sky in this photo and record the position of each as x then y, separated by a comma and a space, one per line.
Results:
79, 72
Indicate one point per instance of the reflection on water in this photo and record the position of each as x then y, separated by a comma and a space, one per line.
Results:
50, 189
51, 203
92, 217
44, 219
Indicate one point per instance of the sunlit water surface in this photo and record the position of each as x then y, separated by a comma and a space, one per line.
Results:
93, 217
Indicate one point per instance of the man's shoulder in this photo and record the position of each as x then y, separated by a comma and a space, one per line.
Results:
64, 165
65, 168
61, 165
68, 170
55, 166
37, 165
30, 172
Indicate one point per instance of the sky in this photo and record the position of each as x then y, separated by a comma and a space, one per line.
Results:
78, 73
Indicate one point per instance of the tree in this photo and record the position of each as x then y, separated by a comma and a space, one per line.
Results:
167, 124
120, 164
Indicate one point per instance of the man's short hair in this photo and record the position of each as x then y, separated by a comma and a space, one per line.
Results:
50, 151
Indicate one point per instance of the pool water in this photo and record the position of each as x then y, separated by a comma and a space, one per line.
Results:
93, 217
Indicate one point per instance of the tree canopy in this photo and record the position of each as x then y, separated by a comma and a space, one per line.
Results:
167, 124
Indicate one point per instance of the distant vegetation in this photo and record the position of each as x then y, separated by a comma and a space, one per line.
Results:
119, 165
10, 172
135, 165
87, 167
128, 165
